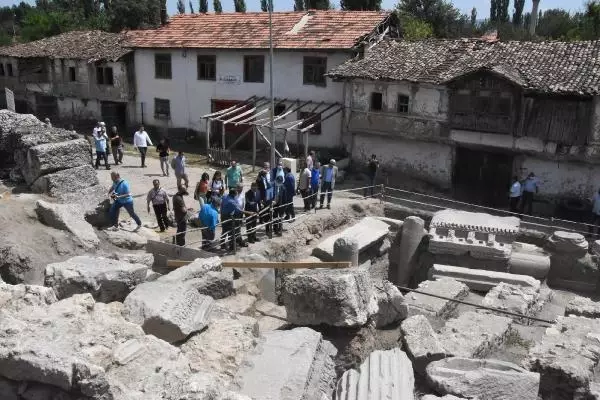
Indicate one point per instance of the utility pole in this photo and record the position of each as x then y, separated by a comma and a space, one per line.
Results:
272, 113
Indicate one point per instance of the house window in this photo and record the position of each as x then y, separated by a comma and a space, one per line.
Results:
403, 104
104, 76
207, 68
9, 69
162, 109
1, 69
279, 109
309, 119
376, 101
314, 70
254, 68
162, 66
73, 74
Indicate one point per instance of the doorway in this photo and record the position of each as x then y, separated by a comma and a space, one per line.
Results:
482, 177
232, 132
114, 113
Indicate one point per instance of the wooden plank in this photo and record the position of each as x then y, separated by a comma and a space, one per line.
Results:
274, 264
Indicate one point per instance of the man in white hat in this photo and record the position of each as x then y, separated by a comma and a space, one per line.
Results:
328, 174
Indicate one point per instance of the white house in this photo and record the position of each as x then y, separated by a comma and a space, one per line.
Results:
199, 64
79, 75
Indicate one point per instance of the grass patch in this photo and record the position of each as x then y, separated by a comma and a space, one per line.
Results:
513, 338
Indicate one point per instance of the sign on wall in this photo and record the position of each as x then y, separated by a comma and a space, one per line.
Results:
230, 79
10, 99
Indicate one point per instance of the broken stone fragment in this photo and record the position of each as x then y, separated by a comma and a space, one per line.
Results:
446, 397
126, 238
584, 307
288, 365
105, 279
68, 217
52, 157
474, 334
421, 342
169, 310
481, 280
567, 242
483, 379
336, 297
513, 298
17, 298
71, 180
419, 303
527, 259
390, 304
134, 258
383, 375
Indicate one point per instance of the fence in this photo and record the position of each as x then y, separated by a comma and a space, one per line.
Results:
221, 157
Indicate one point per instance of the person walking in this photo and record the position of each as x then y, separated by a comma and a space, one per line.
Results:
217, 187
230, 212
328, 174
530, 186
252, 200
266, 191
141, 141
514, 195
209, 217
201, 191
290, 190
159, 199
279, 206
100, 142
180, 211
372, 167
108, 143
304, 187
116, 144
310, 160
233, 175
120, 193
163, 153
178, 165
315, 177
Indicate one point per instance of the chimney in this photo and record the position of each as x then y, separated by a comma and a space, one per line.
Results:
534, 17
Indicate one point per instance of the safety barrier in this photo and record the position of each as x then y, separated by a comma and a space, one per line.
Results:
218, 156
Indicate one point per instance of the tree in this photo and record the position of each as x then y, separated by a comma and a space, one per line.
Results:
217, 6
499, 10
203, 6
180, 7
191, 7
493, 10
414, 29
360, 5
441, 15
127, 14
317, 5
592, 16
263, 6
473, 17
555, 24
239, 5
298, 5
39, 24
517, 18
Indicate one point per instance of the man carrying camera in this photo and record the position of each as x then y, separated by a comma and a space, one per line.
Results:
121, 196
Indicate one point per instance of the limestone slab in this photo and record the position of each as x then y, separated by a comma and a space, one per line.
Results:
383, 375
126, 238
446, 397
107, 280
288, 365
336, 297
485, 379
390, 304
419, 303
421, 342
17, 298
52, 157
366, 232
481, 280
513, 298
71, 180
474, 334
584, 307
238, 304
68, 217
527, 259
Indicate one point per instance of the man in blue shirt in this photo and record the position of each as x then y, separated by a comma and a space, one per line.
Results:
515, 194
209, 216
328, 174
290, 190
231, 216
179, 168
266, 191
315, 176
530, 186
121, 195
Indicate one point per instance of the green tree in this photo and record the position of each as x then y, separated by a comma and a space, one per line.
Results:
473, 17
317, 5
555, 24
298, 5
592, 17
441, 15
517, 18
127, 14
180, 7
217, 6
499, 10
414, 29
493, 10
360, 5
39, 24
203, 6
264, 6
191, 7
239, 5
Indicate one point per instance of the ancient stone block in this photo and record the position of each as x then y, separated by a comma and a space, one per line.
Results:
68, 217
481, 280
196, 269
474, 334
390, 304
483, 379
567, 242
52, 157
513, 298
126, 238
337, 297
421, 342
134, 258
16, 298
288, 365
383, 375
566, 357
446, 397
527, 259
238, 304
584, 307
423, 304
71, 180
367, 232
105, 279
404, 250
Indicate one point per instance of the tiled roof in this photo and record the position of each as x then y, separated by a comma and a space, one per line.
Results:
549, 67
81, 45
313, 29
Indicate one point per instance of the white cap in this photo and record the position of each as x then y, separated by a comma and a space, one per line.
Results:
102, 124
332, 161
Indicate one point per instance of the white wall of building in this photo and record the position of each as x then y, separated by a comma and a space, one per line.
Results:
561, 179
191, 98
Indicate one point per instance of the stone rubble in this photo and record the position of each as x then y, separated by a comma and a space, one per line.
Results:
481, 280
134, 258
126, 238
288, 365
105, 279
68, 217
74, 179
584, 307
571, 267
484, 379
383, 375
390, 304
423, 304
474, 334
336, 297
513, 298
446, 397
17, 298
421, 342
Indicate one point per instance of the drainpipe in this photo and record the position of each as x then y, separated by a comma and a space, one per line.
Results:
534, 17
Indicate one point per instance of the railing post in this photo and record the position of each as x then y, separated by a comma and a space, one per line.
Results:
382, 197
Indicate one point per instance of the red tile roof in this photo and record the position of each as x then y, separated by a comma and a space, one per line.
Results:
313, 29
